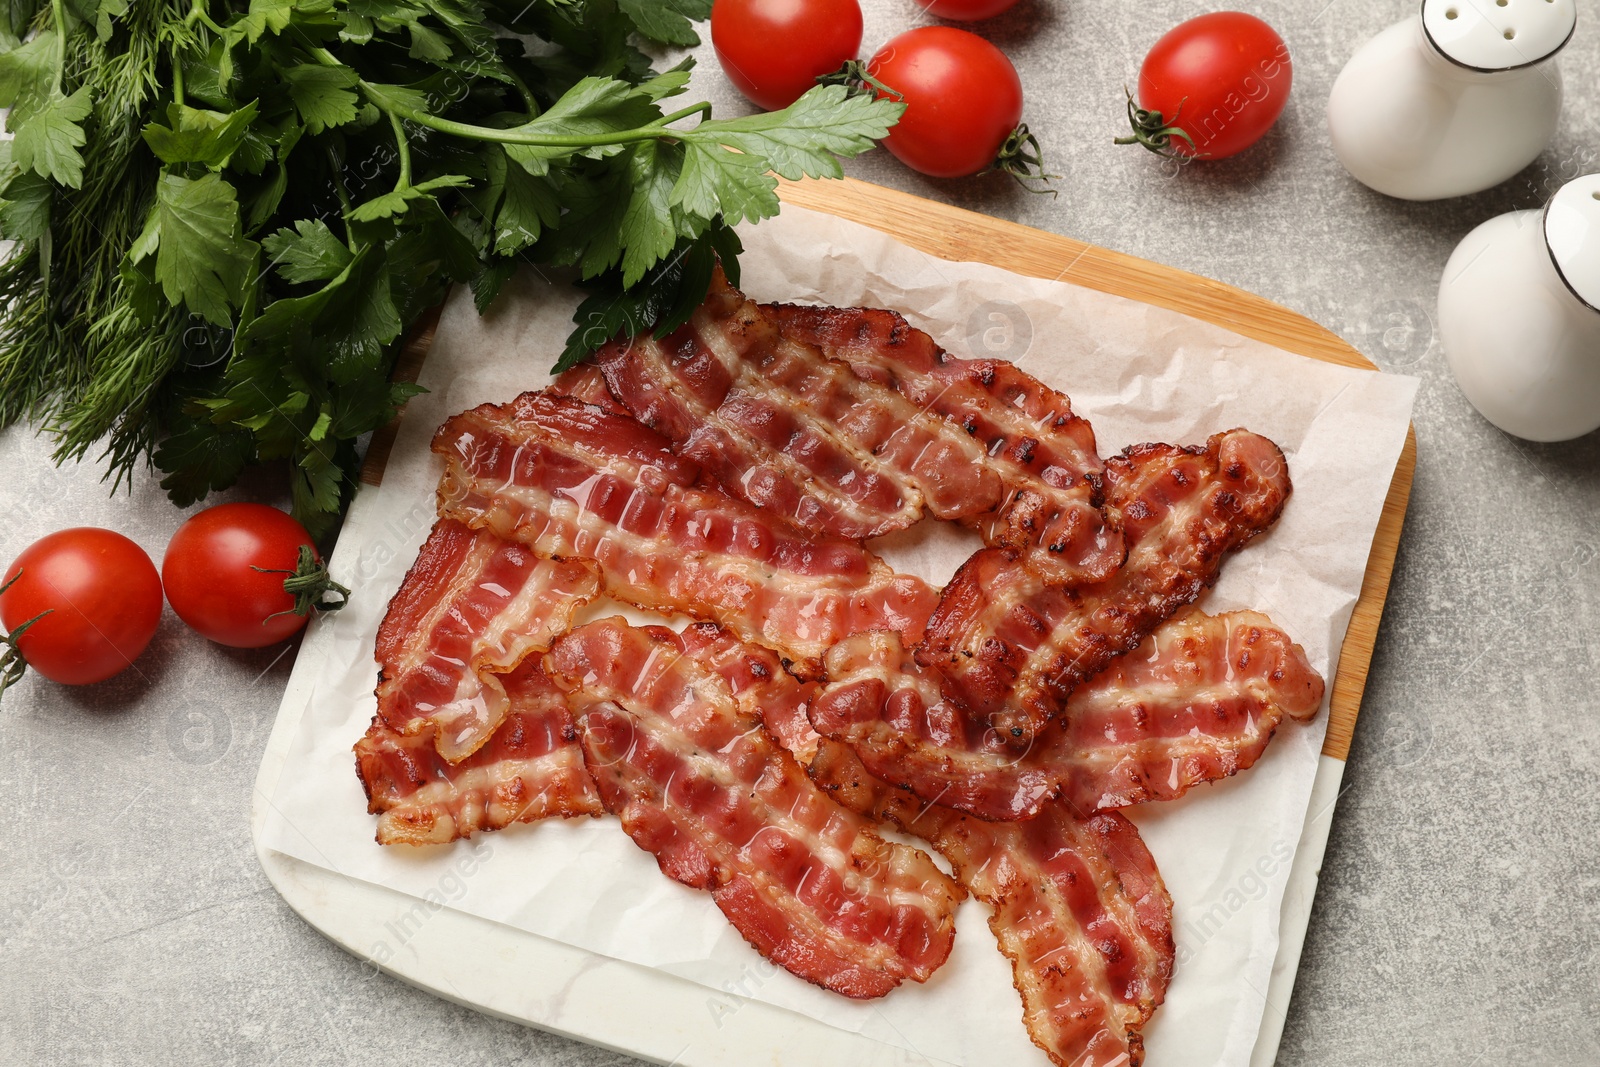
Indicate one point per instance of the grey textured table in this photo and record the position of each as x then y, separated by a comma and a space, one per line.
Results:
1456, 922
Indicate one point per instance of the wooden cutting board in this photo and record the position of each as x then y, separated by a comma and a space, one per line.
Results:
955, 234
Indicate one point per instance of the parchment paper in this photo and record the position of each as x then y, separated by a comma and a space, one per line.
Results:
1139, 374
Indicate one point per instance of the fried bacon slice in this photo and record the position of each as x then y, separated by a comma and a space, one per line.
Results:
697, 783
571, 480
782, 427
1015, 646
1028, 436
472, 606
762, 687
1078, 907
956, 721
1198, 701
585, 382
851, 422
530, 769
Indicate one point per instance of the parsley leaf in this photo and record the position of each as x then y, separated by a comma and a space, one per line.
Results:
25, 207
48, 134
650, 227
667, 21
324, 96
398, 201
196, 136
593, 108
804, 138
529, 206
308, 253
201, 260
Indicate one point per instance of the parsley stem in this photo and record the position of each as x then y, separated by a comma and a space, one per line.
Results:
404, 148
336, 165
198, 13
177, 78
703, 109
394, 106
58, 16
467, 131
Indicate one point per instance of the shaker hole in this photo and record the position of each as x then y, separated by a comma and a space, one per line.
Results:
1510, 34
1452, 13
1502, 3
1596, 194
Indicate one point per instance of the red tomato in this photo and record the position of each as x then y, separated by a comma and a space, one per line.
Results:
100, 601
774, 50
966, 10
212, 581
1228, 72
962, 95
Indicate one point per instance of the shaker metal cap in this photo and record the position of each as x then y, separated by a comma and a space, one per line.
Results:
1572, 230
1493, 35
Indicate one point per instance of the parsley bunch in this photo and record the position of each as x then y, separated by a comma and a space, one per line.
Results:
226, 213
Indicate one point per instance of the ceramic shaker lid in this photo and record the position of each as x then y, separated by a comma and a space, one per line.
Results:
1572, 230
1498, 34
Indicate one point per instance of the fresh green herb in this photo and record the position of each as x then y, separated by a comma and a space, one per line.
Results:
228, 212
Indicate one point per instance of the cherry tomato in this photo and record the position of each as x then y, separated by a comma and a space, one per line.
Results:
966, 10
210, 571
97, 598
774, 50
1221, 78
962, 95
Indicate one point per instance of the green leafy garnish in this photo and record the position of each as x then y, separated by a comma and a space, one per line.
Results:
226, 213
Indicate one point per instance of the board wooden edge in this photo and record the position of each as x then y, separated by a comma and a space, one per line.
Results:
959, 235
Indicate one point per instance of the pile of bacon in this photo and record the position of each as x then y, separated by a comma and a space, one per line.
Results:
730, 472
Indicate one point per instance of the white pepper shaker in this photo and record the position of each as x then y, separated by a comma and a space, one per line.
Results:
1519, 316
1453, 100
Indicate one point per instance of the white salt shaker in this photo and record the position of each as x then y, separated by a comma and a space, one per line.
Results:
1519, 316
1453, 100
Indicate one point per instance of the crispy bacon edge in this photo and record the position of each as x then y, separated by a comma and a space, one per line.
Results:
470, 608
530, 769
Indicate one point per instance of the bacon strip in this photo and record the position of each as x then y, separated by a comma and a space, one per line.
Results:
1015, 646
570, 480
585, 382
722, 807
530, 769
852, 422
780, 426
1005, 650
763, 688
1030, 440
1079, 908
1198, 701
472, 606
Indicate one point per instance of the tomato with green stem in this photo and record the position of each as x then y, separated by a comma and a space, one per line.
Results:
246, 575
963, 104
774, 50
79, 606
1211, 87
